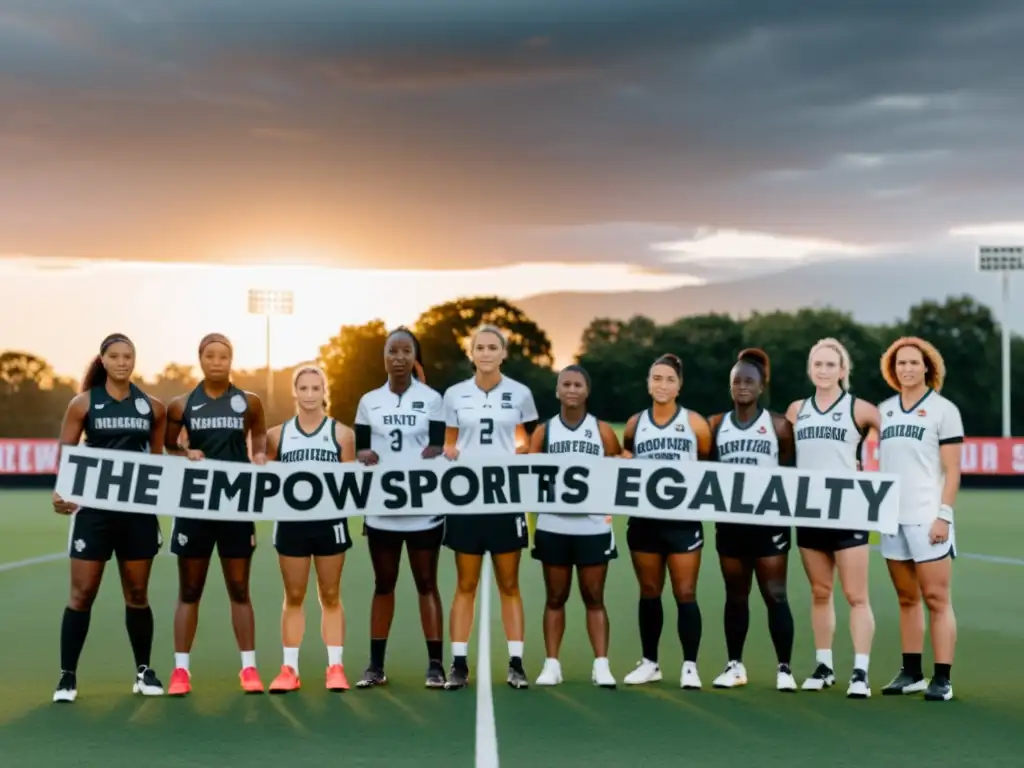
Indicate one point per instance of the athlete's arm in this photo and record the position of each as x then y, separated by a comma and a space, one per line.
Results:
523, 437
794, 410
71, 430
609, 439
346, 438
364, 435
714, 422
273, 442
257, 428
530, 419
866, 417
787, 445
702, 431
172, 435
451, 423
159, 428
435, 429
537, 439
951, 438
629, 437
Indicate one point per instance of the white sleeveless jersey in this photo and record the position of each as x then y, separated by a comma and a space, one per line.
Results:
400, 428
487, 421
909, 447
318, 445
674, 441
755, 444
828, 439
584, 438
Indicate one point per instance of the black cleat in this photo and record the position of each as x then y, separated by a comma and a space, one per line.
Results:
435, 675
372, 677
458, 678
939, 689
822, 678
517, 675
67, 688
905, 683
147, 683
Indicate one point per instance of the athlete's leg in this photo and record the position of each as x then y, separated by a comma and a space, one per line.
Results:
935, 577
423, 563
295, 577
853, 565
138, 616
771, 581
903, 574
192, 573
332, 610
386, 556
86, 577
243, 619
649, 568
506, 574
467, 579
557, 586
820, 569
591, 580
738, 576
683, 570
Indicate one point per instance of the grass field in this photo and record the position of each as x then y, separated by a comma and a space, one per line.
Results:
574, 724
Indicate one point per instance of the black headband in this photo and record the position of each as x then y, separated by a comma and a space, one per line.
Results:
214, 338
115, 338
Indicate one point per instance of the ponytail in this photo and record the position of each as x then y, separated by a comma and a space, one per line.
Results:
96, 373
417, 365
759, 359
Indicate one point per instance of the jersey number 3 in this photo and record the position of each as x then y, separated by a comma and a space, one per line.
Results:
486, 431
396, 440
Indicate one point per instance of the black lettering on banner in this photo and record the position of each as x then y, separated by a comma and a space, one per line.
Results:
803, 509
576, 488
391, 484
292, 499
448, 492
193, 488
836, 486
674, 492
736, 504
708, 493
421, 483
267, 486
147, 485
515, 472
546, 476
873, 497
774, 498
628, 483
122, 482
82, 465
354, 485
494, 485
221, 487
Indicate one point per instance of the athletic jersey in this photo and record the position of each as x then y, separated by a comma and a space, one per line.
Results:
319, 445
216, 426
487, 421
674, 441
828, 439
584, 438
400, 427
120, 425
755, 444
909, 447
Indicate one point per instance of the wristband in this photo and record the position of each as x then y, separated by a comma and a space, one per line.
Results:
946, 513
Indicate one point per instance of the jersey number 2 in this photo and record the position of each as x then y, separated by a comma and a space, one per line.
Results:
486, 431
396, 439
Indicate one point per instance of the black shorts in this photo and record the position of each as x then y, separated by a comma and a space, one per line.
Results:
480, 534
383, 538
574, 549
198, 538
97, 534
311, 538
830, 539
751, 542
664, 537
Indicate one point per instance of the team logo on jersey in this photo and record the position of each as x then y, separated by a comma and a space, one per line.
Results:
506, 397
762, 429
417, 405
888, 413
922, 413
588, 433
680, 427
142, 406
238, 403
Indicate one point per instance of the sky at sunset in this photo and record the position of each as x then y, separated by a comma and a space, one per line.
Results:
405, 152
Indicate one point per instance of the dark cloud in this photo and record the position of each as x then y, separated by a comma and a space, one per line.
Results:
461, 131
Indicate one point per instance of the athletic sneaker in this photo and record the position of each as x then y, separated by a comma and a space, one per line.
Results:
784, 680
646, 671
688, 678
287, 680
458, 677
939, 689
435, 675
551, 674
250, 680
733, 676
517, 675
372, 677
147, 683
601, 674
335, 679
181, 682
859, 688
823, 677
905, 683
67, 688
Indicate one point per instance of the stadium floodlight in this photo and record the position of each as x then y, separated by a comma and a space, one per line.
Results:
269, 302
1004, 259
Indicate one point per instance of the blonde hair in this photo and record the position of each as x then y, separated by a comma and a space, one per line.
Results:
844, 359
935, 366
311, 368
486, 328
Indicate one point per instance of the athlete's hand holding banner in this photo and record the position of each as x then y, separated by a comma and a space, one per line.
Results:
560, 483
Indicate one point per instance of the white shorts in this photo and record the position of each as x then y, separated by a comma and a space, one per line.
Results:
911, 543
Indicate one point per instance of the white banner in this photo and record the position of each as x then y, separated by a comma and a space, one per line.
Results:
562, 483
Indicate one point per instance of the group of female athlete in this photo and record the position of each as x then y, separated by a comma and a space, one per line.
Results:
919, 433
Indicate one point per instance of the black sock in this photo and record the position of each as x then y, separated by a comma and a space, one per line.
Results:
435, 651
912, 664
737, 622
461, 662
378, 648
139, 623
942, 671
73, 630
651, 618
780, 627
690, 627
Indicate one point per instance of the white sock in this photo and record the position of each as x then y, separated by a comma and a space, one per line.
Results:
460, 649
181, 661
333, 655
291, 658
248, 659
515, 649
601, 662
824, 656
860, 661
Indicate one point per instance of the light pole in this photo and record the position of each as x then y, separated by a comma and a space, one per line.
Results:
269, 302
1003, 259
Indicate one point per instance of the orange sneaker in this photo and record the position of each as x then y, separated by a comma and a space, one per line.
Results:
251, 682
336, 680
181, 683
288, 680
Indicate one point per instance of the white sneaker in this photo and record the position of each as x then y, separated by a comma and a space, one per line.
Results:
733, 676
551, 674
601, 675
859, 686
689, 679
646, 671
784, 680
823, 677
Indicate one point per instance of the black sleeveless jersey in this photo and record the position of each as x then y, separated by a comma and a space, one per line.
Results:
121, 425
216, 426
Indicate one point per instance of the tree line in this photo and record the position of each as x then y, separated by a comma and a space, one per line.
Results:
616, 352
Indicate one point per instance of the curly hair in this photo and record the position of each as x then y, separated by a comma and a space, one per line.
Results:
935, 366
